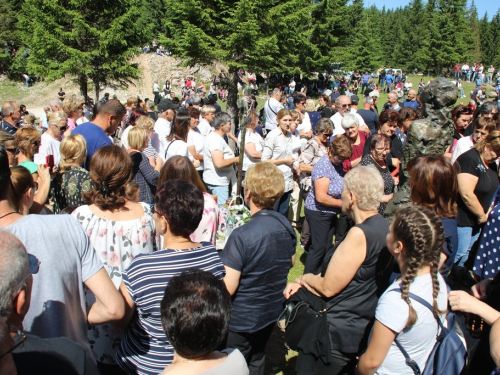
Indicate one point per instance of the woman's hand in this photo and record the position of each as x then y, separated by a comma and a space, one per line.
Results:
395, 162
291, 288
462, 301
289, 160
480, 290
484, 218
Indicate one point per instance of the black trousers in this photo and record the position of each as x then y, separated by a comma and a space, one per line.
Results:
322, 226
340, 364
252, 346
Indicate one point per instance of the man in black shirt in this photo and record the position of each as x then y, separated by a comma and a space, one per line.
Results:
370, 117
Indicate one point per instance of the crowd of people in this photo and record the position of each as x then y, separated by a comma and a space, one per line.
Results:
109, 216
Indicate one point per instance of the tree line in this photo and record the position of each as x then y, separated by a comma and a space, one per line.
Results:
94, 40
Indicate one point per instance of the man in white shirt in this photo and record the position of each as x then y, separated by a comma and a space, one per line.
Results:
344, 104
166, 112
271, 109
465, 69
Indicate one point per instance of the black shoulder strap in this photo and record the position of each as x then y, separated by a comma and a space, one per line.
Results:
170, 144
269, 105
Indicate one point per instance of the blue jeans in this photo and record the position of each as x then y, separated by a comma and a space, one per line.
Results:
222, 192
467, 236
282, 204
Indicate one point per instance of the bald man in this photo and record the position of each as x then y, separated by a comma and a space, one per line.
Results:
412, 100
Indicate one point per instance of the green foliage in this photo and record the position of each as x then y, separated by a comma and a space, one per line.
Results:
91, 40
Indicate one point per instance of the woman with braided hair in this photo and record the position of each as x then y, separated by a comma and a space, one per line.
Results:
119, 230
415, 240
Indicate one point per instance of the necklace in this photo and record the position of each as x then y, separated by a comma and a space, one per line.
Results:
9, 213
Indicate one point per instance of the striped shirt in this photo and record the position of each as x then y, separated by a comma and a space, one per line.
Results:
145, 348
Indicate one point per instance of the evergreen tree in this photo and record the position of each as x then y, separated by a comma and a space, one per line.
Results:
485, 40
88, 39
494, 52
474, 51
430, 36
366, 47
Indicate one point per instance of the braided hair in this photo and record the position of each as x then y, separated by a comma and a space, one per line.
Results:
422, 234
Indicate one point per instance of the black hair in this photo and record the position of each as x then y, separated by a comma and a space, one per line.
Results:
195, 313
181, 204
5, 182
298, 98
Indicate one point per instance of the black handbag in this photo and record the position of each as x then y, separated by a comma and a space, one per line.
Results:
303, 311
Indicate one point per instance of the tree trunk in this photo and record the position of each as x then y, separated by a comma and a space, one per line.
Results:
83, 83
97, 89
232, 98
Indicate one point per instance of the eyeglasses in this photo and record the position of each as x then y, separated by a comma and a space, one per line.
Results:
13, 150
63, 128
382, 149
328, 135
19, 339
346, 105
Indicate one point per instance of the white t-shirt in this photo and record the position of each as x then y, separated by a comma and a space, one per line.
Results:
256, 139
296, 146
204, 127
49, 146
156, 87
271, 108
176, 147
212, 175
462, 145
198, 141
392, 311
162, 130
304, 127
278, 146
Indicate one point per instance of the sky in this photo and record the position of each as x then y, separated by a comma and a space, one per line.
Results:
482, 5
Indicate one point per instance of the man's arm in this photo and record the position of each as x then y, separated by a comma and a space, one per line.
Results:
109, 305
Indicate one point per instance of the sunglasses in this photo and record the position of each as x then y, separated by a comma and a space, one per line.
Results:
63, 128
36, 143
13, 150
19, 339
34, 264
327, 134
346, 105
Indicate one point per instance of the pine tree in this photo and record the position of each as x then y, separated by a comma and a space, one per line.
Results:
485, 40
88, 39
474, 51
494, 52
366, 47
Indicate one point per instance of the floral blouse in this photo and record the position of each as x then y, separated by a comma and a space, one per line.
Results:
66, 188
116, 243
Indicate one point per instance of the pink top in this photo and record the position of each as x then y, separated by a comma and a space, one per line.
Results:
71, 123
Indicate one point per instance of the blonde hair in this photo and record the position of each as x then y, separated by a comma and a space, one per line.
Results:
310, 107
71, 105
266, 183
22, 180
55, 118
206, 109
24, 137
137, 138
368, 186
132, 100
29, 120
145, 122
73, 150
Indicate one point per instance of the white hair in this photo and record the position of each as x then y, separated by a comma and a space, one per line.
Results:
367, 184
14, 268
349, 120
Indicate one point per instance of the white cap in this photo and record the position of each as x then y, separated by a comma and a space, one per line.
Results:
374, 93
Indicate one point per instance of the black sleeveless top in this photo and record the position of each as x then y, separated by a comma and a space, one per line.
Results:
351, 316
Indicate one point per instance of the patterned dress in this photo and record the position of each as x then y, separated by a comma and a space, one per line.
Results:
116, 243
487, 263
66, 188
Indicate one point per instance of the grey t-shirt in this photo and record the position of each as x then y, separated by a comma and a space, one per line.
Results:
234, 364
67, 260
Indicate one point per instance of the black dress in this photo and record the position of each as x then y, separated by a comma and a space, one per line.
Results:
386, 176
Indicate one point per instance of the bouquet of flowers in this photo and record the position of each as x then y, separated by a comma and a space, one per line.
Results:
235, 215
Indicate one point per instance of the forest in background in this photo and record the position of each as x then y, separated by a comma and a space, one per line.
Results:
94, 40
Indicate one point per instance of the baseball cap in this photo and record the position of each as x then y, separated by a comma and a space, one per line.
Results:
374, 93
166, 104
354, 99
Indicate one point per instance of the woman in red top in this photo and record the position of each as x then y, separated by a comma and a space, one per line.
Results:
358, 138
